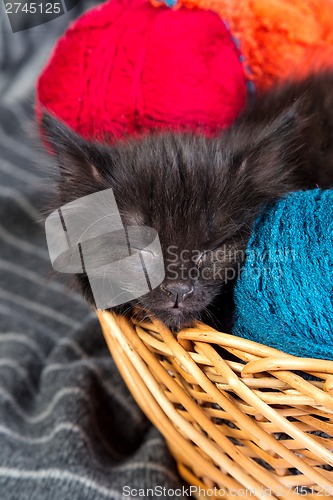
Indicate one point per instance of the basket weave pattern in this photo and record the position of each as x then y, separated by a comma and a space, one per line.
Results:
252, 426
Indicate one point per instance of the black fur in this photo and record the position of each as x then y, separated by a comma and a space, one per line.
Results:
202, 194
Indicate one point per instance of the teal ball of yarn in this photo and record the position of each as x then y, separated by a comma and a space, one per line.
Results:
284, 295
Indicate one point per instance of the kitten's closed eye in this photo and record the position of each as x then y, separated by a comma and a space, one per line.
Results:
226, 252
202, 258
219, 265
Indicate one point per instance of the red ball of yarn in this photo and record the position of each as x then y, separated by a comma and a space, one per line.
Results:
126, 67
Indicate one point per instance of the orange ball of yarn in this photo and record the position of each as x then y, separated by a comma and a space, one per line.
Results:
279, 38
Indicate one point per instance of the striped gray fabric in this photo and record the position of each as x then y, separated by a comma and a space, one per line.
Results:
69, 429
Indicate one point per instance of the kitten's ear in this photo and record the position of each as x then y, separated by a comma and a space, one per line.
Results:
74, 155
270, 160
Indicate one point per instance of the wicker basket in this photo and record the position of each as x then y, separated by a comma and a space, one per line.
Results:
247, 427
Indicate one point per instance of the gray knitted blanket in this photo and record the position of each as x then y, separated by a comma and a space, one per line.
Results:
69, 429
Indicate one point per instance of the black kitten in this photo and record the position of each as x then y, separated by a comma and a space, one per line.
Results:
202, 194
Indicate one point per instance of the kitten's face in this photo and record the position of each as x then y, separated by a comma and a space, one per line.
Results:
200, 194
201, 236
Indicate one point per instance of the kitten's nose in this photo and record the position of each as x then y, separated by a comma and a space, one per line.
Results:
177, 291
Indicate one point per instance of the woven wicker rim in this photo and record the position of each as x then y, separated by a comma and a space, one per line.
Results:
184, 386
